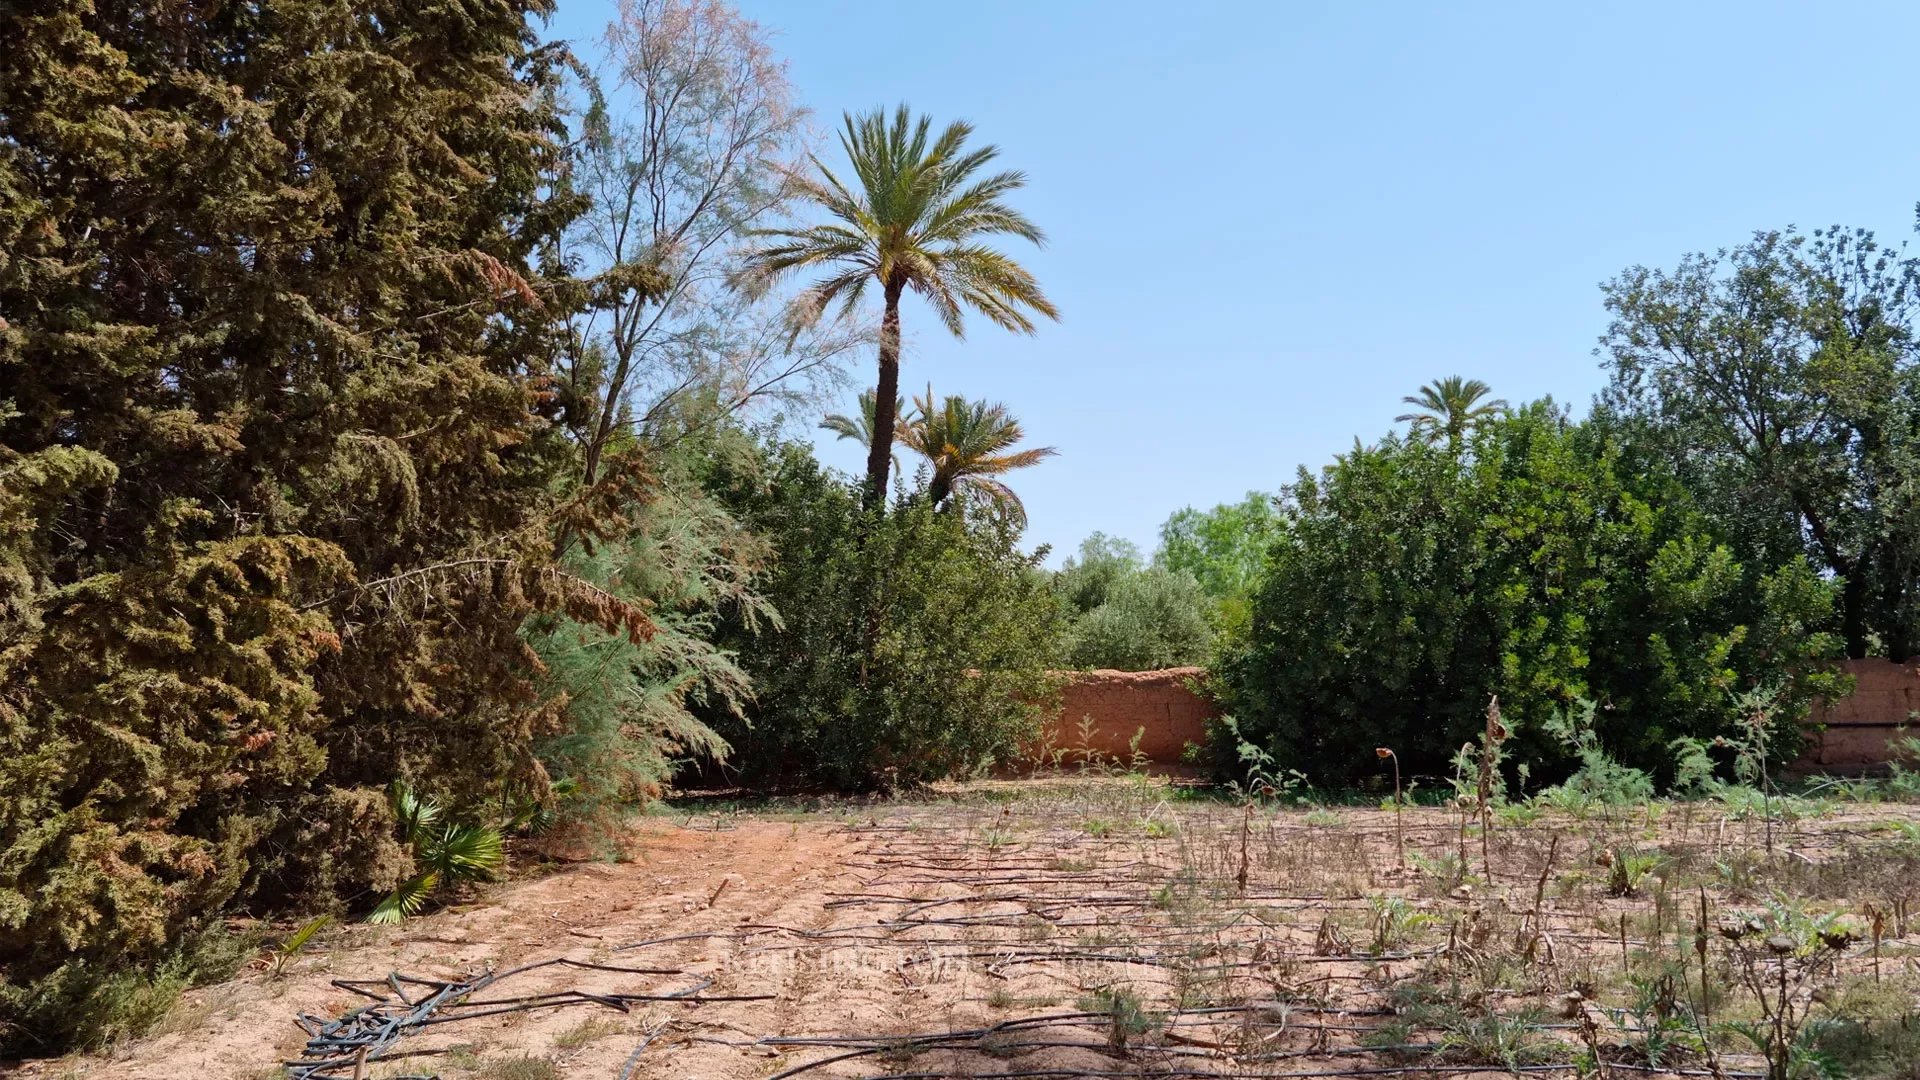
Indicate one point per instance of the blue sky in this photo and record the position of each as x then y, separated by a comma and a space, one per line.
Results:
1268, 221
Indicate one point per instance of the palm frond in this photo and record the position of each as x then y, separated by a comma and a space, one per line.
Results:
464, 852
300, 938
910, 219
1452, 405
967, 443
414, 813
406, 901
997, 497
860, 426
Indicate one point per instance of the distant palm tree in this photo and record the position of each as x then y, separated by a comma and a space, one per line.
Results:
1451, 406
914, 224
860, 428
970, 445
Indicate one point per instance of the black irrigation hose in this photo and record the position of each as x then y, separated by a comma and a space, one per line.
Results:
397, 1009
633, 1059
364, 1034
1369, 1071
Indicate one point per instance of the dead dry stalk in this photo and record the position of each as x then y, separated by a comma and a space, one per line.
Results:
1490, 740
1246, 837
1399, 831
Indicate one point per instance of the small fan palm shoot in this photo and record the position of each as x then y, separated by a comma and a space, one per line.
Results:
448, 854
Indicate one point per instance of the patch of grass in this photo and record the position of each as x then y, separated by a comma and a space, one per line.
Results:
93, 1007
1873, 1029
1394, 923
586, 1031
1628, 870
518, 1067
1520, 813
1504, 1040
1127, 1015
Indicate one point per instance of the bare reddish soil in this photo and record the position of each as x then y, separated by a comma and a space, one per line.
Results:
972, 937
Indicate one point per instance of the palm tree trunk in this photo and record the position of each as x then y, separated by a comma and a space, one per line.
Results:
886, 399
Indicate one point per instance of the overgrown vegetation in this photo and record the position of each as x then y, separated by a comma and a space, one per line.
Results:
1130, 616
1537, 558
279, 462
910, 646
365, 382
395, 457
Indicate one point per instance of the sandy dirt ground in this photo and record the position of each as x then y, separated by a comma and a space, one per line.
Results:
979, 938
683, 880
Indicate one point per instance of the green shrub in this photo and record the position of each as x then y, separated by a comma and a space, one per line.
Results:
1088, 577
275, 501
911, 645
1152, 618
1539, 560
90, 1003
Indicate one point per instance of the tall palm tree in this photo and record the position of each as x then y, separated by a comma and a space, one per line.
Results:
1451, 406
970, 444
860, 427
914, 224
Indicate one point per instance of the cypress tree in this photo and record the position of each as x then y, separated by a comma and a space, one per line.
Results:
276, 458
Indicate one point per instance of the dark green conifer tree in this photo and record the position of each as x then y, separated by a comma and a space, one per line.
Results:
276, 458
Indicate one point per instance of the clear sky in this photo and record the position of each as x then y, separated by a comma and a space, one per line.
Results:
1268, 221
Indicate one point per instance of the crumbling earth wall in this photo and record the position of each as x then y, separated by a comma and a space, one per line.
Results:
1102, 711
1852, 735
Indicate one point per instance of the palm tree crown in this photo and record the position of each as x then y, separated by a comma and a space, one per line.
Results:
970, 445
1451, 405
913, 221
858, 427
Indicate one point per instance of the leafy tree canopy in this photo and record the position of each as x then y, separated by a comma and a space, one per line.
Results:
1223, 549
1781, 381
1543, 560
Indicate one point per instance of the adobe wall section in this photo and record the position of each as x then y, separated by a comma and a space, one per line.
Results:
1113, 706
1857, 729
1850, 736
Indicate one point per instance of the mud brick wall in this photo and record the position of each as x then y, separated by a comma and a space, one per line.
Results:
1851, 735
1159, 705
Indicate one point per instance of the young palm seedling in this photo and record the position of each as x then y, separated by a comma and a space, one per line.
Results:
447, 854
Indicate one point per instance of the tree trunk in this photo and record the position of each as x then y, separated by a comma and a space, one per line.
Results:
1897, 628
886, 399
1853, 615
1854, 591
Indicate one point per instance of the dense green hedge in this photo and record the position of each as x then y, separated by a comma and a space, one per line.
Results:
1540, 560
910, 645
